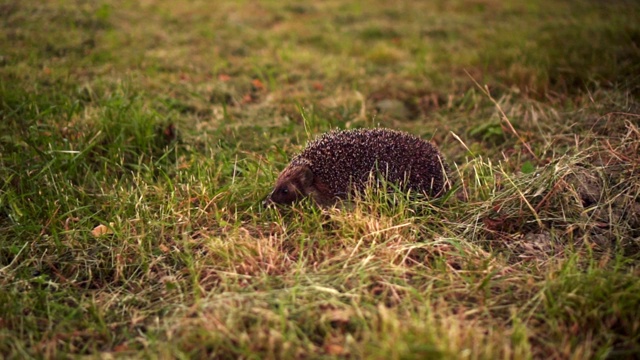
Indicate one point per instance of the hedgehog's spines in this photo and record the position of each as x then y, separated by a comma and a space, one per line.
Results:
341, 161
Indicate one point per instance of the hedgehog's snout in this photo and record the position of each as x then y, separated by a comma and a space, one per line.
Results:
277, 196
268, 202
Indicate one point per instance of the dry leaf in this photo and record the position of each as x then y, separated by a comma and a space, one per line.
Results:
121, 348
257, 84
164, 248
101, 230
246, 99
334, 349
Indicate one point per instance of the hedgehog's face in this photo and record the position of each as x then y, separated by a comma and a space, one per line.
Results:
286, 193
294, 183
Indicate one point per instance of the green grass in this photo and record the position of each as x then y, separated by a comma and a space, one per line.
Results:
138, 140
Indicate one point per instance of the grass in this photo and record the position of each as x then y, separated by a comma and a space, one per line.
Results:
138, 140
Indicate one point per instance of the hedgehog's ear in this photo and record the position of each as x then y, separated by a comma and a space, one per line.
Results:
306, 176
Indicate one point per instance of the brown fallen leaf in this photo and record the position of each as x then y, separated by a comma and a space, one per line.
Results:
102, 230
334, 349
247, 99
121, 348
257, 84
163, 248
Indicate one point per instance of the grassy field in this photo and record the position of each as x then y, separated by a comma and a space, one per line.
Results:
139, 138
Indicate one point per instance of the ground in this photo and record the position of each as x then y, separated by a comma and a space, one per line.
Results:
138, 140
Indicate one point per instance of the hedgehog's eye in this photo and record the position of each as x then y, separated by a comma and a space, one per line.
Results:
284, 191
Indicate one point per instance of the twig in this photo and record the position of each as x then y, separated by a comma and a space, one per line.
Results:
504, 117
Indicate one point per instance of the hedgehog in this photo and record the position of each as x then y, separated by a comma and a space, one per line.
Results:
340, 163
